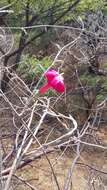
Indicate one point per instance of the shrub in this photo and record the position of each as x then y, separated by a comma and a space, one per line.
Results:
31, 70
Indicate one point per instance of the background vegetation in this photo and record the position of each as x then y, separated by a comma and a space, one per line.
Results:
71, 37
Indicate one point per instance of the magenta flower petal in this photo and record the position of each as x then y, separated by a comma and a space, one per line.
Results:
58, 84
50, 74
54, 80
44, 88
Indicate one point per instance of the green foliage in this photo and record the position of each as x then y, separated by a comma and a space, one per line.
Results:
104, 86
83, 7
93, 5
99, 97
103, 91
48, 93
91, 80
48, 10
3, 3
104, 65
88, 79
31, 67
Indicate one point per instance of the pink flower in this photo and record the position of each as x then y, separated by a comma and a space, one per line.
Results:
58, 83
54, 80
50, 74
